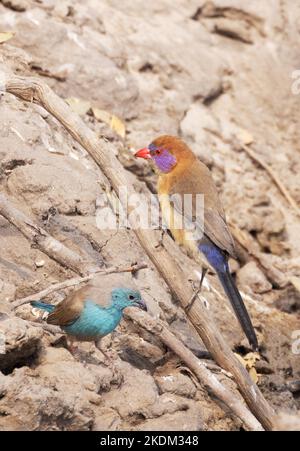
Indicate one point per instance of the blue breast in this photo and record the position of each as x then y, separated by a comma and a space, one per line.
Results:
94, 322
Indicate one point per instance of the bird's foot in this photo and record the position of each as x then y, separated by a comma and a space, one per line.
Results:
196, 291
118, 376
161, 239
109, 357
191, 302
110, 360
77, 354
74, 350
108, 354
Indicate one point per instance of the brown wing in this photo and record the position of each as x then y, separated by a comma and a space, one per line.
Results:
216, 229
67, 311
198, 180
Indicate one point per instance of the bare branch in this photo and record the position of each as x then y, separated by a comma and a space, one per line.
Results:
272, 273
75, 281
204, 375
54, 330
43, 241
284, 191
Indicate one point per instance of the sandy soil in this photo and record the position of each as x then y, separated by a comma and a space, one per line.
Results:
216, 73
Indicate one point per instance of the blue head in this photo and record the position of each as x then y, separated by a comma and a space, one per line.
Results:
126, 297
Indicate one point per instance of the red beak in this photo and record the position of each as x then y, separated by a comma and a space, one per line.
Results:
143, 153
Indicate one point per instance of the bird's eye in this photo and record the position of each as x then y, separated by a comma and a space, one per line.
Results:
158, 152
131, 297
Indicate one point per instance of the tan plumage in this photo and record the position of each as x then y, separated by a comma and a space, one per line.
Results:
181, 174
191, 176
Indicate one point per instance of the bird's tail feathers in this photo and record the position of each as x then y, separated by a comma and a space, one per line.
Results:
41, 305
238, 305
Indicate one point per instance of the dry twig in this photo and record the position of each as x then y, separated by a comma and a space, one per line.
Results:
47, 327
272, 273
284, 191
75, 281
43, 241
204, 375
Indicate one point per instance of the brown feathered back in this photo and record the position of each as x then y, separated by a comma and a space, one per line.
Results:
191, 176
97, 290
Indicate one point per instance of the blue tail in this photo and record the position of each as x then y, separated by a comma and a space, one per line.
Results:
219, 261
41, 305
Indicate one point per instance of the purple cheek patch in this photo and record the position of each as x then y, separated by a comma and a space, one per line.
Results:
165, 161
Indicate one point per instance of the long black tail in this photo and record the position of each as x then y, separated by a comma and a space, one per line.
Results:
238, 305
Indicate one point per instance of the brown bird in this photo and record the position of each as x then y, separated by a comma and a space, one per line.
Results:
195, 225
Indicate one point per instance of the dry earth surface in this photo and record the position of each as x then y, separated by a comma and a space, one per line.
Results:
216, 73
